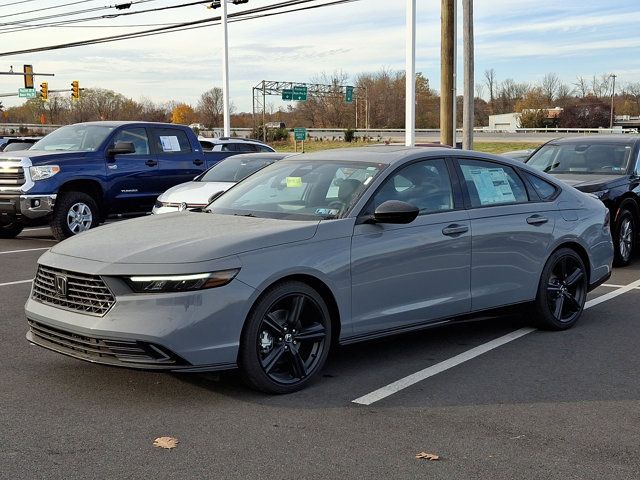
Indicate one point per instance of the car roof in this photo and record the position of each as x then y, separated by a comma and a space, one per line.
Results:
118, 123
219, 140
601, 139
263, 155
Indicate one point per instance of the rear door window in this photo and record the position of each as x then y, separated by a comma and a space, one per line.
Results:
489, 183
171, 140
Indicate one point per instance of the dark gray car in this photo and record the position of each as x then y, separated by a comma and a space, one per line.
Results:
331, 247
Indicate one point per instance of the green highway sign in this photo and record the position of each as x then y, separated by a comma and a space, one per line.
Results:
348, 94
299, 93
300, 134
287, 94
27, 92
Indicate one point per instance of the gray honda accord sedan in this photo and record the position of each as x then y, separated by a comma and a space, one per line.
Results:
322, 249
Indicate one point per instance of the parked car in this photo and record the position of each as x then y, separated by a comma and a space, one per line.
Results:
18, 143
219, 178
233, 144
607, 167
315, 250
79, 174
521, 155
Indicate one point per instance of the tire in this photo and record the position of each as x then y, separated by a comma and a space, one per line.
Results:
85, 209
624, 238
10, 231
562, 291
286, 339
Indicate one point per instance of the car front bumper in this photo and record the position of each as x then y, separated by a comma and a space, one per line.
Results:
190, 331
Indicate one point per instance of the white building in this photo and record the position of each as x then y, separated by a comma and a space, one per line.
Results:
505, 122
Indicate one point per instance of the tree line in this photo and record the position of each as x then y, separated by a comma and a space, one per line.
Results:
379, 99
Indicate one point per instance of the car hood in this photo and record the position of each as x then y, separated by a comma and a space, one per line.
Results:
40, 157
183, 237
194, 192
590, 182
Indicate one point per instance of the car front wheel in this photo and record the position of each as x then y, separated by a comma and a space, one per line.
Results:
286, 339
10, 231
624, 238
562, 290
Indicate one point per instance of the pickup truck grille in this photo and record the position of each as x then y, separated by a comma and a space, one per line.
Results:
87, 294
11, 176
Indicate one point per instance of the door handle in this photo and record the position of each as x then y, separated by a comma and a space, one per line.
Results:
198, 162
537, 220
454, 229
151, 163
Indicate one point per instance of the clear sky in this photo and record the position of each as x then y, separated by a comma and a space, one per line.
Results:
520, 39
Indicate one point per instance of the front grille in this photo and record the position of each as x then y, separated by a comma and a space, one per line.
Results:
11, 176
84, 293
100, 349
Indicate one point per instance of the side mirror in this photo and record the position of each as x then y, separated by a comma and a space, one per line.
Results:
395, 211
121, 148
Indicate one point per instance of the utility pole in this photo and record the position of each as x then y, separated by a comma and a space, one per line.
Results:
454, 106
410, 76
613, 92
225, 72
446, 72
468, 106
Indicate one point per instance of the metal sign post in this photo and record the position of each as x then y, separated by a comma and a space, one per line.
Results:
410, 113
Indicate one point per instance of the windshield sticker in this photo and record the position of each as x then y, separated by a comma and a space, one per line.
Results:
293, 182
492, 185
327, 211
169, 143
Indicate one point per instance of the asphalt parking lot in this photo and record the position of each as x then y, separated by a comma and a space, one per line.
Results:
540, 406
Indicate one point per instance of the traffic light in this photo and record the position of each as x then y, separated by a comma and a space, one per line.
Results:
28, 77
75, 90
44, 91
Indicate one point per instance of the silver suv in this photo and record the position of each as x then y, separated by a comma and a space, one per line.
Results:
233, 144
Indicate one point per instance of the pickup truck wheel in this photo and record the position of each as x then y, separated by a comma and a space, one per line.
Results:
75, 212
10, 231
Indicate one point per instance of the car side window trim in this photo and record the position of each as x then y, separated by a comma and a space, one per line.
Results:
524, 176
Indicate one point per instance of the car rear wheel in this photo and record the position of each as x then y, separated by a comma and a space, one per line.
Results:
286, 340
75, 212
624, 238
10, 231
562, 291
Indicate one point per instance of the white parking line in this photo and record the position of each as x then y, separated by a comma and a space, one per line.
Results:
414, 378
36, 228
25, 250
16, 283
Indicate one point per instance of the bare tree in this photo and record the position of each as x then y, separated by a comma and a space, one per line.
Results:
582, 86
550, 84
479, 90
490, 81
210, 107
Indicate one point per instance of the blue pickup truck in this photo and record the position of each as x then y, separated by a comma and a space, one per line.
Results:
79, 174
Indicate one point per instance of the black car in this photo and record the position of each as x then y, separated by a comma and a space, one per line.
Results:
607, 167
18, 143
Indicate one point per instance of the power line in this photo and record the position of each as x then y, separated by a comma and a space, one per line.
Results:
47, 8
234, 17
67, 14
12, 28
16, 3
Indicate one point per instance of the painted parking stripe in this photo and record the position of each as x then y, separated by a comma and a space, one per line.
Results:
414, 378
24, 250
16, 283
35, 228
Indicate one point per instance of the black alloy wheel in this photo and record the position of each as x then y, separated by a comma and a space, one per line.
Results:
287, 339
562, 291
624, 238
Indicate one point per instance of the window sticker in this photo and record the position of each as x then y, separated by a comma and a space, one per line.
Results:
327, 211
293, 182
492, 184
169, 143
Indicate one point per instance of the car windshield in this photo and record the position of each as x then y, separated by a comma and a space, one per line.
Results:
299, 190
17, 146
234, 169
583, 158
74, 138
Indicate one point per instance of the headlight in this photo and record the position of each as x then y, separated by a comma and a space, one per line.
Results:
181, 283
42, 172
601, 194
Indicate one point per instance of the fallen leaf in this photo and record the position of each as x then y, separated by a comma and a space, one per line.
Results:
165, 442
428, 456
